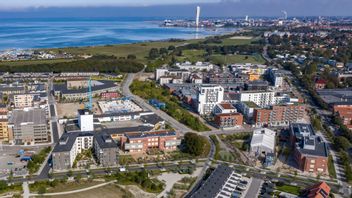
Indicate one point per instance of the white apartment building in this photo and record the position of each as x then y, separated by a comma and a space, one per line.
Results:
198, 66
172, 73
276, 77
262, 98
207, 97
23, 100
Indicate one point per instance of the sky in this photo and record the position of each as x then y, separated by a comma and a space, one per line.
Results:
171, 8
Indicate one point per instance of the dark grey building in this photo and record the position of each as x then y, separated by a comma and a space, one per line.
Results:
105, 150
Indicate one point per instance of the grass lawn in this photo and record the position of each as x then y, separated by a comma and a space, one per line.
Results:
68, 186
109, 191
236, 41
331, 167
141, 50
289, 189
230, 59
191, 55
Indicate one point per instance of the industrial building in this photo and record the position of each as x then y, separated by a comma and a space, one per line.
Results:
263, 142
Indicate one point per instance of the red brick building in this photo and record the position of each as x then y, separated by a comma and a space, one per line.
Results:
228, 120
142, 141
310, 151
320, 84
344, 111
279, 115
110, 95
319, 190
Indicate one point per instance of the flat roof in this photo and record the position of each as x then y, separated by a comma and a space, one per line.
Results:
213, 185
136, 135
35, 116
64, 90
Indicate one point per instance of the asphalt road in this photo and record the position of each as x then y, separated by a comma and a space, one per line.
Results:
174, 123
254, 188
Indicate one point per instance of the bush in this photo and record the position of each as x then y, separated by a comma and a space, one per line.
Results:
194, 144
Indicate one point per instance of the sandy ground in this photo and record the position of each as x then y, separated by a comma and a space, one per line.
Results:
171, 178
242, 37
137, 192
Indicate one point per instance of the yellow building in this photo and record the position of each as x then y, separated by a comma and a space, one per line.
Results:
253, 76
4, 132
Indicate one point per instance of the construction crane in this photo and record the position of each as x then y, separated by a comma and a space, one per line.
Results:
89, 104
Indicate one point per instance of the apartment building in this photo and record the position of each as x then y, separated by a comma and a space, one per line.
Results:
344, 111
228, 120
207, 97
71, 144
310, 151
260, 98
23, 100
12, 89
276, 77
172, 73
29, 126
4, 132
105, 150
198, 66
279, 115
143, 141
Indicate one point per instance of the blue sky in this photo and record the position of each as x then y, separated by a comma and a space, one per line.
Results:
11, 4
171, 8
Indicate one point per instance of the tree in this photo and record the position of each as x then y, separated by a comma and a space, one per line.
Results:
131, 57
194, 143
163, 51
154, 53
171, 48
41, 190
343, 143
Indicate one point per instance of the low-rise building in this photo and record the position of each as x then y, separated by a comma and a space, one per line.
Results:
344, 111
228, 120
143, 141
198, 66
224, 107
110, 95
319, 190
222, 182
263, 142
310, 151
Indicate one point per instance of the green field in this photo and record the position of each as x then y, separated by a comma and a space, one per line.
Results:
141, 50
236, 41
230, 59
191, 55
289, 189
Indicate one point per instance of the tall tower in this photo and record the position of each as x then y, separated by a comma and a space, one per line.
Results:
197, 16
246, 18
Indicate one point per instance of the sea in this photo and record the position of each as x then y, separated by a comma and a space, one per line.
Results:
76, 32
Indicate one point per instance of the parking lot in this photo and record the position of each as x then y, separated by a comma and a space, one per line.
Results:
10, 160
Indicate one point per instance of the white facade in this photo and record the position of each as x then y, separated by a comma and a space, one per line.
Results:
263, 141
262, 99
23, 100
208, 96
198, 66
85, 121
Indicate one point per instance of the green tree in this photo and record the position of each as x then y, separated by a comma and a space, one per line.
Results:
343, 143
154, 53
194, 143
131, 57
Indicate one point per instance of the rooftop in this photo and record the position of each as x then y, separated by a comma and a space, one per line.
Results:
150, 134
104, 84
33, 116
215, 182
